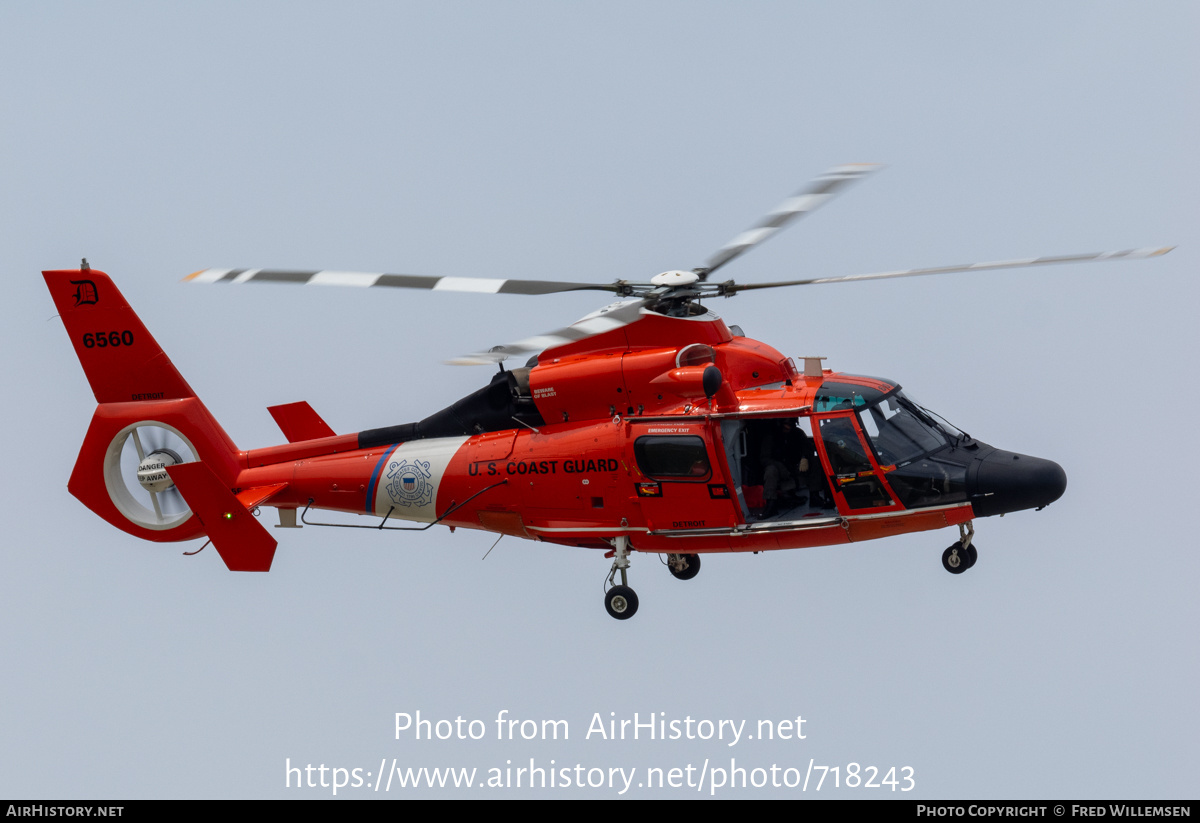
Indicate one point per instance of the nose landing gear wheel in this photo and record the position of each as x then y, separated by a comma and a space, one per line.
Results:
957, 560
621, 602
683, 566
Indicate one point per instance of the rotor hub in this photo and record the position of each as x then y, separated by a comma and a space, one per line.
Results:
675, 278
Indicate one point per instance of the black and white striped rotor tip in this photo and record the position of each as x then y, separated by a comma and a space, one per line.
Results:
607, 319
807, 200
366, 280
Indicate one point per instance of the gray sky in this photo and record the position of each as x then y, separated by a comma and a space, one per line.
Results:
603, 141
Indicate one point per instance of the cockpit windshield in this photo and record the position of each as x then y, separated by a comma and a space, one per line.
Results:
901, 431
835, 395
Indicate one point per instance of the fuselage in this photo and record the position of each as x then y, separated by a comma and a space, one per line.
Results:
633, 433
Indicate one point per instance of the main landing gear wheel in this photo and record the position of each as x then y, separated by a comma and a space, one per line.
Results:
621, 602
957, 560
684, 566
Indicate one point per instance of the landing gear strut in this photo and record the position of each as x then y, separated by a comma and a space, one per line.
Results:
620, 601
961, 555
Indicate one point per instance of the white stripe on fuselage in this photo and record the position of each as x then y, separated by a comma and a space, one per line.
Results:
408, 481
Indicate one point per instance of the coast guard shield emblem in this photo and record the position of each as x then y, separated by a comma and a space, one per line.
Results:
410, 483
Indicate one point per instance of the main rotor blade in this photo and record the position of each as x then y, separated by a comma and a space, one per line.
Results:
1130, 254
799, 204
484, 285
598, 322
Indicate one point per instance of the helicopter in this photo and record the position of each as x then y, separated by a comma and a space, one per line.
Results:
650, 425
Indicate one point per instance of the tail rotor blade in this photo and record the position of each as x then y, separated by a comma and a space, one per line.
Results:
158, 512
156, 438
173, 501
137, 444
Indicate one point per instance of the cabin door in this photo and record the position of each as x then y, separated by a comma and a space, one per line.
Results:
678, 477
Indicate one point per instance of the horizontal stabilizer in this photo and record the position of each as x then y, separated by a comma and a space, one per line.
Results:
239, 538
299, 422
259, 494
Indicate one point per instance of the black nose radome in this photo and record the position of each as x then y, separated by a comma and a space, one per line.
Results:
1001, 482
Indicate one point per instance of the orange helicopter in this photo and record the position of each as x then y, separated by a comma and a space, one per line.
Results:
649, 425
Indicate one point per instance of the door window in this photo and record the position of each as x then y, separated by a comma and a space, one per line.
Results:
855, 475
673, 457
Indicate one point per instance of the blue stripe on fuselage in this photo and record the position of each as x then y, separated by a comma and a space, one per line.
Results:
375, 478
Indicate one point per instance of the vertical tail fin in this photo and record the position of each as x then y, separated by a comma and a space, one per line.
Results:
120, 357
148, 418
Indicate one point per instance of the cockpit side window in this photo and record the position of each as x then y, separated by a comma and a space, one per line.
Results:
845, 450
855, 475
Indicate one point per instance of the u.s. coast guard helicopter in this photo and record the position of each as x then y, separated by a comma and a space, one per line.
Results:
649, 425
